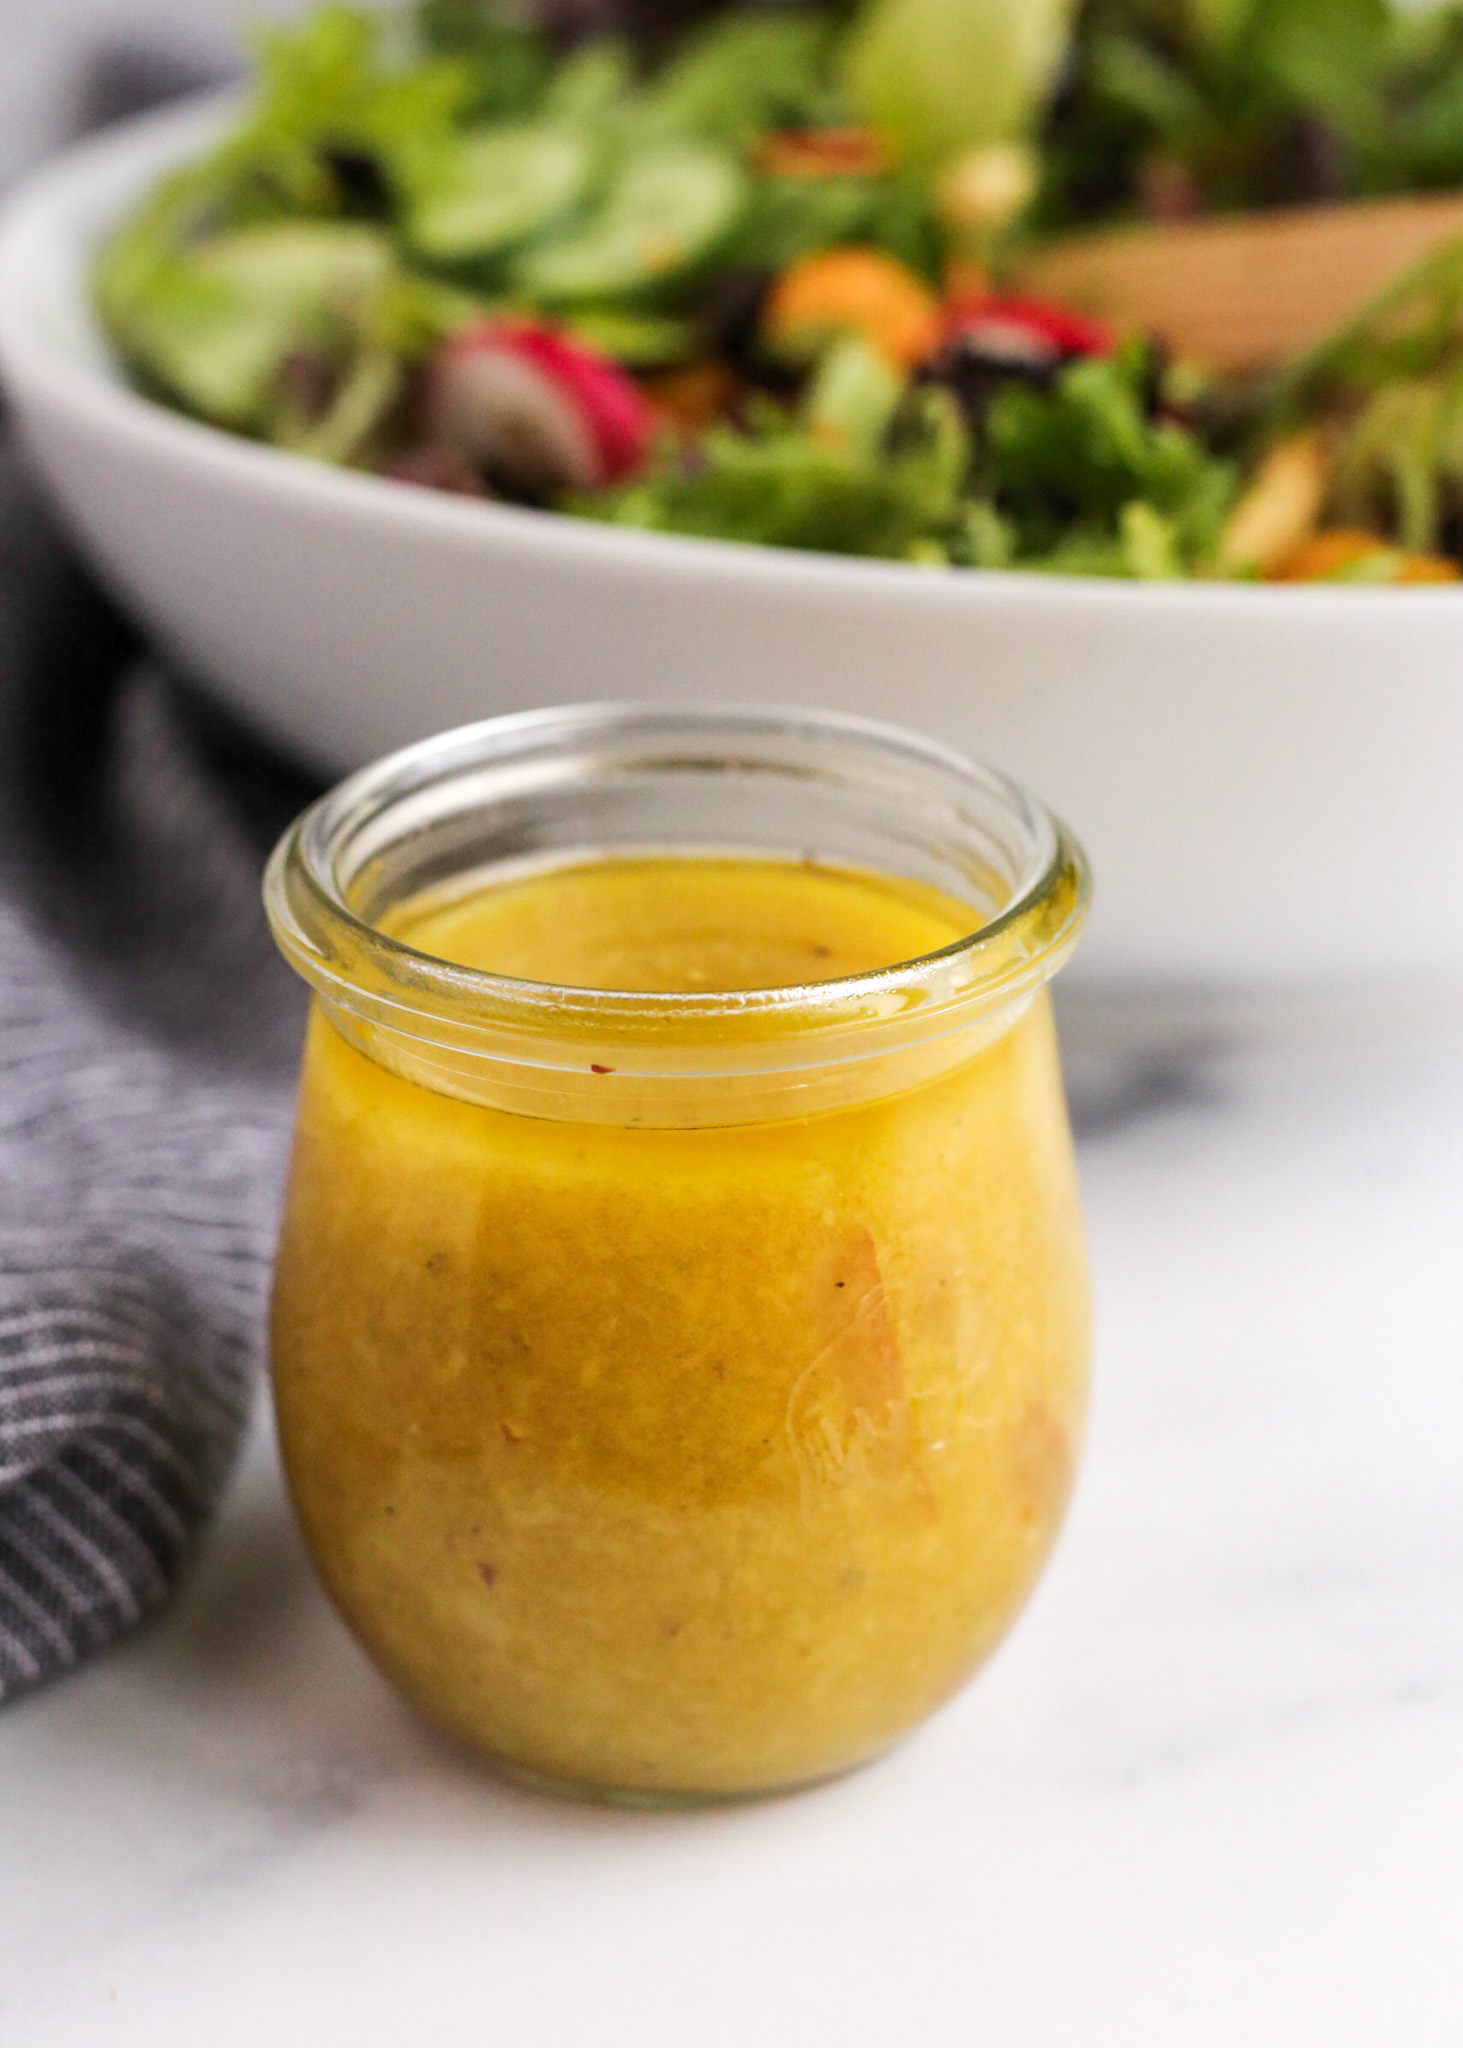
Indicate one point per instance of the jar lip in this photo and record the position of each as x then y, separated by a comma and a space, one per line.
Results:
328, 941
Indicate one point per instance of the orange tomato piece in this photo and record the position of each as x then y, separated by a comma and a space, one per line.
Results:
1429, 569
1339, 548
853, 291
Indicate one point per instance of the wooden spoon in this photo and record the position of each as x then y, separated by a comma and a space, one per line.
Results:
1238, 291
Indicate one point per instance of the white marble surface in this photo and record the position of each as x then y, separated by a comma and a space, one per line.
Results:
1208, 1793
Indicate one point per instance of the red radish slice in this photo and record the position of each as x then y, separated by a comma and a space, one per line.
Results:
537, 411
1056, 328
619, 415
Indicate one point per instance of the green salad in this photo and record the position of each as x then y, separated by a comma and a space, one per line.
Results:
744, 279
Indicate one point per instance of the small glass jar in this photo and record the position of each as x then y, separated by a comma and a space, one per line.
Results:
679, 1392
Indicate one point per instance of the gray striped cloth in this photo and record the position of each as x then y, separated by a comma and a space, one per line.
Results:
147, 1041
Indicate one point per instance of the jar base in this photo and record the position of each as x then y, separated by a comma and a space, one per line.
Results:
649, 1799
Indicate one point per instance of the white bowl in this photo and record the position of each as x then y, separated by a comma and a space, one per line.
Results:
1269, 781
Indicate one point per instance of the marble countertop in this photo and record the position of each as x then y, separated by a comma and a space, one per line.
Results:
1207, 1793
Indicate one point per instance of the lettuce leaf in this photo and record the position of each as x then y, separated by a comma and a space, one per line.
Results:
782, 486
1073, 460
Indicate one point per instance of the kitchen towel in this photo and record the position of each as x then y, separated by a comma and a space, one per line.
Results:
147, 1044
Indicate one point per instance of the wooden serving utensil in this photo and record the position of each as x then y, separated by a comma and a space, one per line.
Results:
1234, 292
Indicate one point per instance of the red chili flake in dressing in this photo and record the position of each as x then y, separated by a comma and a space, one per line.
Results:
594, 1069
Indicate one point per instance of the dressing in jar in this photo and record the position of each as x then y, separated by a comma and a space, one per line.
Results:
680, 1323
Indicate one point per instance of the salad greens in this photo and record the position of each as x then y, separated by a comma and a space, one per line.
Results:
1180, 106
1076, 477
720, 286
1392, 378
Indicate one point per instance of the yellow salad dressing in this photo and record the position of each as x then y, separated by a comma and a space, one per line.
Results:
700, 1459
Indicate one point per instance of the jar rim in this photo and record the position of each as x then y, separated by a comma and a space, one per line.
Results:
352, 962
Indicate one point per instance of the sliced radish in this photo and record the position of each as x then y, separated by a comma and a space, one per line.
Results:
619, 415
1026, 325
536, 412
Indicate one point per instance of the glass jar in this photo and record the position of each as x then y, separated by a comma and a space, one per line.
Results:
679, 1392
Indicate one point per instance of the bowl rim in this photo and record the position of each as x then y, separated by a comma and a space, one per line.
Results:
42, 238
